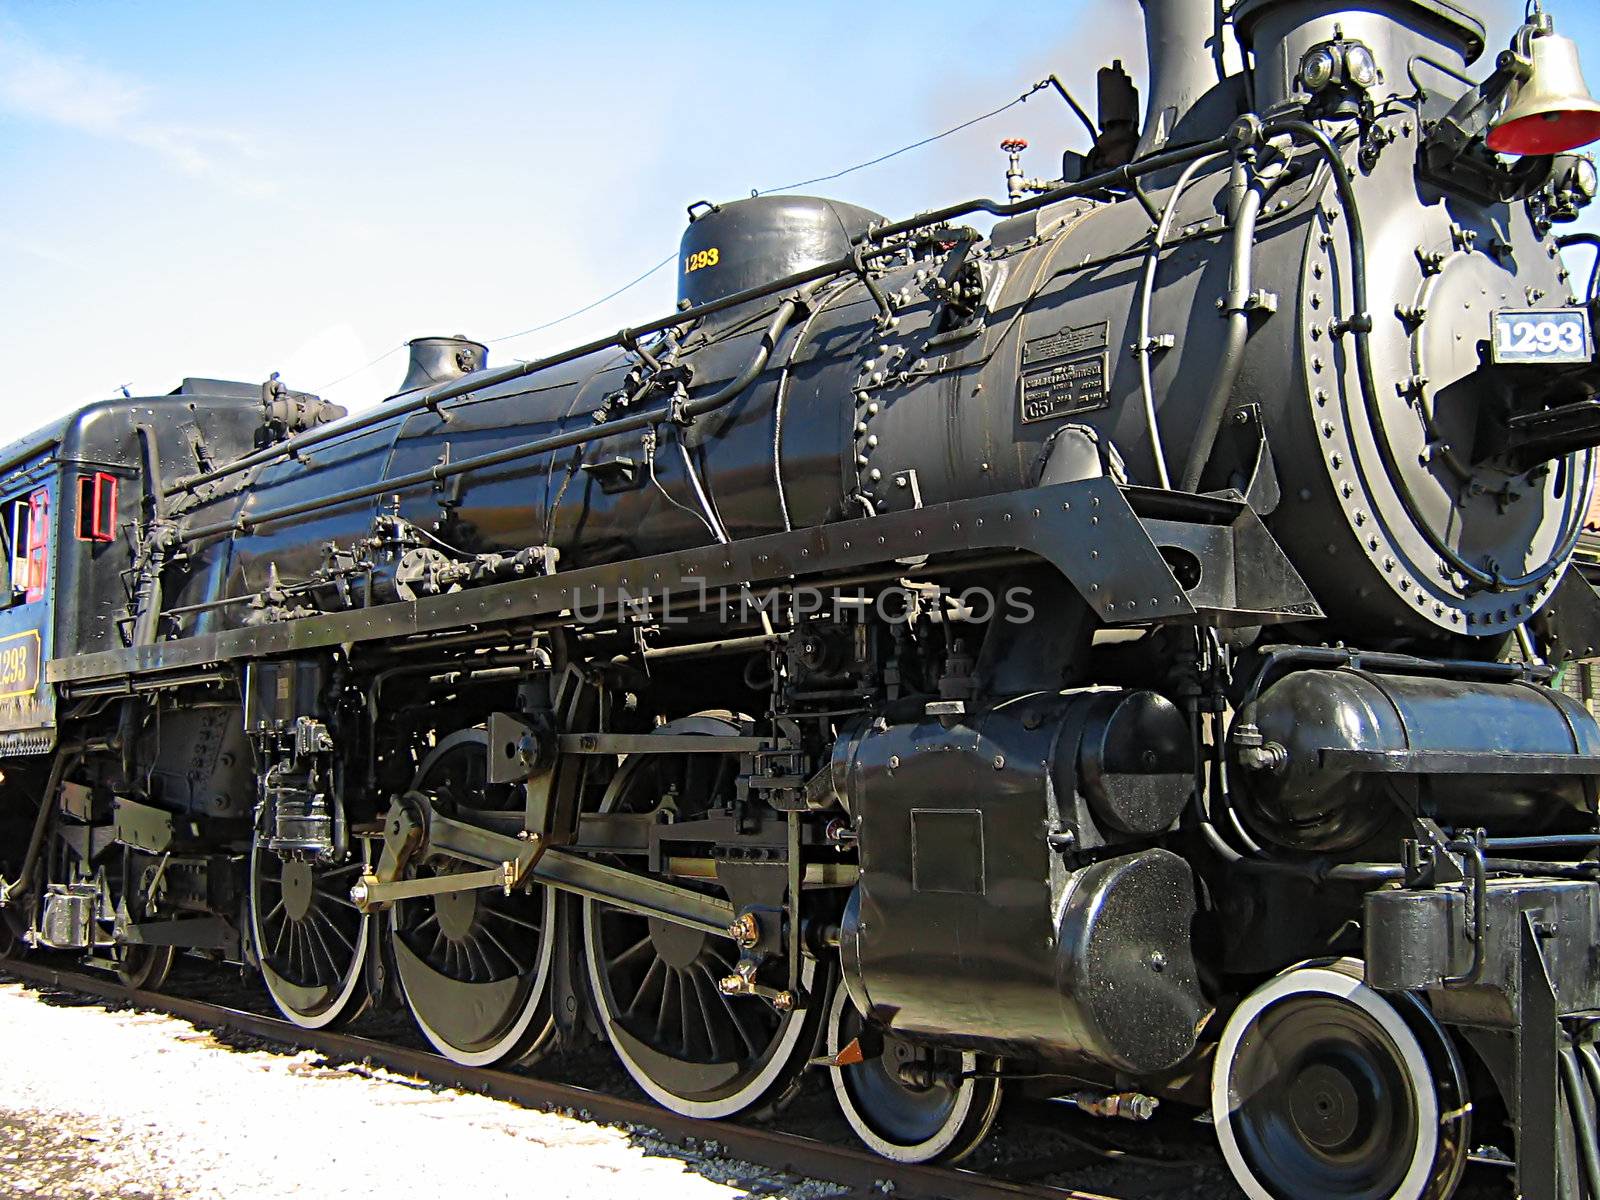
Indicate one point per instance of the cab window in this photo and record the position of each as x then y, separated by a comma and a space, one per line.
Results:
25, 556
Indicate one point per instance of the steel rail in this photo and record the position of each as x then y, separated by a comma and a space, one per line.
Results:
847, 1165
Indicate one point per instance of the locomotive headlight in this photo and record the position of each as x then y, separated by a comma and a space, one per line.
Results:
1585, 177
1318, 68
1360, 68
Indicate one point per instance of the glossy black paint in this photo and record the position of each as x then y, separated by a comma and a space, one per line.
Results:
977, 922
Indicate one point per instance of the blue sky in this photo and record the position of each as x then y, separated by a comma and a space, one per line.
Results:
193, 188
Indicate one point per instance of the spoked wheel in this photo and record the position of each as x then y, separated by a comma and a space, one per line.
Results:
1322, 1087
909, 1104
475, 966
144, 968
310, 939
656, 984
129, 878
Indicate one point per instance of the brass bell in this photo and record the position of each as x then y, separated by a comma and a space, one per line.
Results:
1551, 110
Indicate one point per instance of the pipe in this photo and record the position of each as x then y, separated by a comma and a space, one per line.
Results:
673, 411
1359, 323
41, 822
1147, 289
1316, 870
1591, 240
1237, 307
1116, 178
1582, 1115
1553, 841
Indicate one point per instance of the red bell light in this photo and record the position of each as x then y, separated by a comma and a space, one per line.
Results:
1551, 110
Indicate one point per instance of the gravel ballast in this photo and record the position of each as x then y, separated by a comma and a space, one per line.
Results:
141, 1106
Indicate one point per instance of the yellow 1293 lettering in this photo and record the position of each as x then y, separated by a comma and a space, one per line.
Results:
13, 666
701, 259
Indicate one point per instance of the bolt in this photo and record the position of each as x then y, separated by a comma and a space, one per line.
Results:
746, 931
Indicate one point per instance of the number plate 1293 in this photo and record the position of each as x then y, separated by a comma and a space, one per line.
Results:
1558, 335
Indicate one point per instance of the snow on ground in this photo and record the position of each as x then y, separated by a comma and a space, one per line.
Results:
97, 1104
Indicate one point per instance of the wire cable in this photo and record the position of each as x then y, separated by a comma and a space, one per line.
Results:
1050, 82
927, 141
594, 304
343, 378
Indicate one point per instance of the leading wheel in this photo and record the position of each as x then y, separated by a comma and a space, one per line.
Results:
474, 966
1324, 1088
311, 941
908, 1103
656, 984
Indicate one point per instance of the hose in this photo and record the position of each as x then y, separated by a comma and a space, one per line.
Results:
1147, 289
1591, 240
1237, 308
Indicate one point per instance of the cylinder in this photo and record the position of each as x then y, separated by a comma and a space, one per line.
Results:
974, 920
1321, 757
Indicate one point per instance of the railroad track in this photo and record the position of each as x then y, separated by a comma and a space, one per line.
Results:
866, 1174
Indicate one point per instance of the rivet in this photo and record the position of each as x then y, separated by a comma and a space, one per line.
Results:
875, 475
873, 440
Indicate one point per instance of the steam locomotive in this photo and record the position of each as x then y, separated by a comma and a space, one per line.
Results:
1111, 654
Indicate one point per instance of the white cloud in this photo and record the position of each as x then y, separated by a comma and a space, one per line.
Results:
68, 91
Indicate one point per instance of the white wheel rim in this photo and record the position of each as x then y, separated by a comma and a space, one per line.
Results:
923, 1151
275, 983
502, 1047
778, 1056
1336, 983
782, 1050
